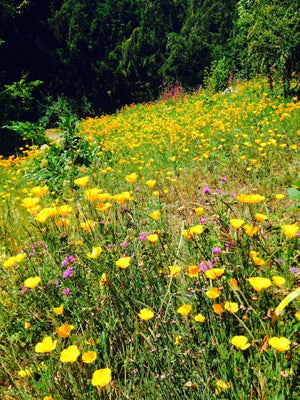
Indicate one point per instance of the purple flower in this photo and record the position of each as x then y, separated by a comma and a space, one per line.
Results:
66, 291
279, 261
68, 273
233, 195
144, 236
206, 190
229, 244
67, 260
216, 250
224, 179
124, 244
205, 265
137, 189
215, 260
56, 282
202, 221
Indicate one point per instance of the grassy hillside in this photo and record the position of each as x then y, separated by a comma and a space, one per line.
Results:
155, 253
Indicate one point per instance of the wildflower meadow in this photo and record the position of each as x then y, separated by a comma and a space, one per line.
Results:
154, 253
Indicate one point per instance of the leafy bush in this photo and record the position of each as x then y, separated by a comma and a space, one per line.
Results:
218, 78
29, 130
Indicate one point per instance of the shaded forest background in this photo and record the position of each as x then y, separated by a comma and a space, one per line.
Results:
88, 57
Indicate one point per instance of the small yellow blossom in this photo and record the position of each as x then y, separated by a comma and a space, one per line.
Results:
146, 314
214, 273
46, 346
32, 282
132, 177
64, 330
70, 354
258, 283
193, 271
241, 342
27, 325
184, 310
199, 318
199, 211
95, 252
231, 307
89, 357
151, 183
251, 230
290, 230
82, 182
260, 217
174, 271
236, 223
59, 310
153, 238
280, 343
280, 196
123, 262
155, 215
278, 280
213, 293
88, 225
101, 377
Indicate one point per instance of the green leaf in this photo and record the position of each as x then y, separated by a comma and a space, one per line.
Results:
294, 193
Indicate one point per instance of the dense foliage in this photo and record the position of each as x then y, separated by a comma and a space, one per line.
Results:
96, 56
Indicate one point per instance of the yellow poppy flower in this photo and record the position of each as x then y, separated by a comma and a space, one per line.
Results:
103, 206
236, 223
193, 271
101, 377
64, 210
241, 342
290, 230
231, 307
280, 343
153, 238
199, 318
280, 196
213, 293
82, 182
278, 280
46, 346
123, 262
155, 215
95, 252
132, 177
64, 330
199, 211
27, 325
70, 354
146, 314
251, 230
233, 283
59, 310
92, 194
260, 217
184, 310
103, 280
88, 225
151, 183
218, 309
178, 340
89, 357
174, 271
32, 282
258, 283
214, 273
